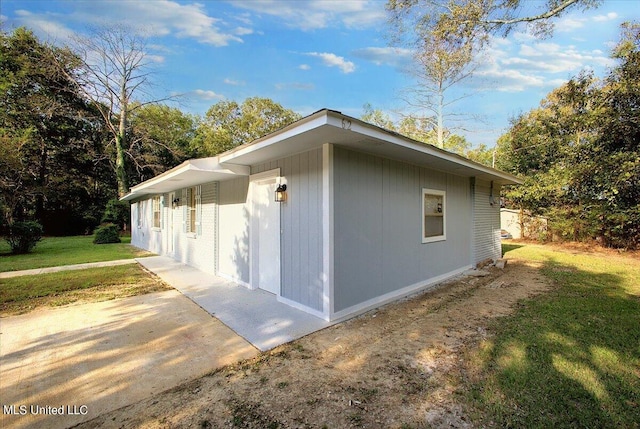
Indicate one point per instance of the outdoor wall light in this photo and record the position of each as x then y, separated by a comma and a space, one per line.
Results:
175, 202
281, 193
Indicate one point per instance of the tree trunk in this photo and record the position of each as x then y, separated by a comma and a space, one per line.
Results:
121, 140
440, 116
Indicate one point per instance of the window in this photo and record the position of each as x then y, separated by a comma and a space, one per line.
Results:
433, 215
192, 210
139, 208
156, 211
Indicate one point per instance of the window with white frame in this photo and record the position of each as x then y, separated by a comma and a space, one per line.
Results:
139, 209
193, 210
434, 225
155, 203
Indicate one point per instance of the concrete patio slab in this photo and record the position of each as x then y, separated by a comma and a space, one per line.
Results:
255, 315
84, 360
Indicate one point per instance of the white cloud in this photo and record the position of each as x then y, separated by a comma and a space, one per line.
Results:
608, 17
304, 67
158, 59
510, 80
316, 14
332, 60
384, 55
243, 31
203, 94
568, 25
510, 67
158, 18
233, 82
45, 26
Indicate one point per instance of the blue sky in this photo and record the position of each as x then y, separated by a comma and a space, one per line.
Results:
313, 54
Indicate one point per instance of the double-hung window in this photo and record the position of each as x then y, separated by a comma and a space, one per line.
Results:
434, 225
155, 203
192, 210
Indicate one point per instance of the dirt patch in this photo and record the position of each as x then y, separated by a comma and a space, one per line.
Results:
390, 368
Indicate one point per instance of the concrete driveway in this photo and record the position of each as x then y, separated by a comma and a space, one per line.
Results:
60, 367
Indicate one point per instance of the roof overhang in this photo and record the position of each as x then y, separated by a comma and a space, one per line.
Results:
311, 132
189, 173
328, 126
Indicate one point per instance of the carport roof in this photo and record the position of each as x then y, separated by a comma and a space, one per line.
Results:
311, 132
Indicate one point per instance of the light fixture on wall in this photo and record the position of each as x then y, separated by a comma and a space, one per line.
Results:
175, 202
281, 193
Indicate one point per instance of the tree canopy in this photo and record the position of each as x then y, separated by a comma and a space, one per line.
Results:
447, 37
50, 138
580, 153
228, 124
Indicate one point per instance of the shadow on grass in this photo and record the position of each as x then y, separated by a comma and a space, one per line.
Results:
568, 359
508, 247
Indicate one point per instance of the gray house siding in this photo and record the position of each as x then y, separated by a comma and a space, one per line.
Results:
486, 222
233, 230
378, 231
301, 227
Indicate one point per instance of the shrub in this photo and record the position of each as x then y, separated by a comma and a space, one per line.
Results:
117, 212
107, 234
23, 236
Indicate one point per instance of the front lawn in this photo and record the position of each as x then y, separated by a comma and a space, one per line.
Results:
22, 294
570, 358
56, 251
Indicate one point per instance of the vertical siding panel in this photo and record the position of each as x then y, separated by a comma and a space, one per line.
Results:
379, 251
295, 228
486, 222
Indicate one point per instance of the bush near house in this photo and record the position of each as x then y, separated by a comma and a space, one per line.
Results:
108, 233
23, 236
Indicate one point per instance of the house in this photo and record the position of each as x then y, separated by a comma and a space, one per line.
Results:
367, 215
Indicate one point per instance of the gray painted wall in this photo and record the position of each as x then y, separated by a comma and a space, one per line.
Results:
486, 222
301, 224
378, 227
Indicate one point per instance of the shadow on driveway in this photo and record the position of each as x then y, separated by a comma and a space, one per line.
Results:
93, 358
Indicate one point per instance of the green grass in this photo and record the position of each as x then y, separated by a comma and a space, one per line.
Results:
20, 294
55, 251
569, 358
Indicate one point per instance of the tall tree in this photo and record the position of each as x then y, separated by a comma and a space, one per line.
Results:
228, 124
47, 131
116, 77
580, 153
161, 138
448, 35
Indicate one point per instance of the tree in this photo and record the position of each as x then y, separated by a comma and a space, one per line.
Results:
580, 153
161, 138
115, 76
448, 35
228, 124
418, 129
48, 134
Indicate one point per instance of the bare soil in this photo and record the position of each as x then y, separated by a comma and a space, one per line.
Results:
394, 367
